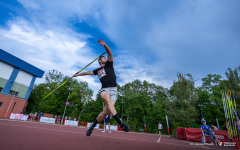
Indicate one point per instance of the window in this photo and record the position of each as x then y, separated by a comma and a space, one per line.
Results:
11, 92
1, 104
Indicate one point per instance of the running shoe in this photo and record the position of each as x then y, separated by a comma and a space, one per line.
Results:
110, 131
125, 127
103, 131
89, 131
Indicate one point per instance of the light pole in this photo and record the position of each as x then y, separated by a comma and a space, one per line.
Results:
122, 109
200, 105
66, 103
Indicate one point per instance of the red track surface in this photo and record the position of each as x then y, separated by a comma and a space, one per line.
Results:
24, 135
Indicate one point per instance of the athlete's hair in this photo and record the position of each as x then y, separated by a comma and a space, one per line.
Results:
100, 58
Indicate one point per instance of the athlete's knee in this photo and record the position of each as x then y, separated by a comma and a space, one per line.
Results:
105, 112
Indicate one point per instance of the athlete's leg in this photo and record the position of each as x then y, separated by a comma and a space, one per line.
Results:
103, 114
100, 118
109, 104
104, 126
109, 126
109, 107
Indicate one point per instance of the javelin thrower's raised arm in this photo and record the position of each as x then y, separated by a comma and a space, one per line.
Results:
108, 50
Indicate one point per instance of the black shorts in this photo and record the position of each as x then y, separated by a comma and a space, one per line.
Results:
159, 129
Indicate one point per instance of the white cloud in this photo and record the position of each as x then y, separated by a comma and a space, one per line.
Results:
130, 68
29, 4
48, 49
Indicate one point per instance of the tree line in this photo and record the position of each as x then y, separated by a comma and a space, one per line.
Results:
141, 101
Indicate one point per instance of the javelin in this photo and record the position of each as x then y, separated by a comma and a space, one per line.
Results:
72, 76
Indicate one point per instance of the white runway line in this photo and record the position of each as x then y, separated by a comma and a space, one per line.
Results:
159, 139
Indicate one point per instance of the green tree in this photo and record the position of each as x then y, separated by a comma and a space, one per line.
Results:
180, 105
35, 97
209, 96
142, 102
55, 103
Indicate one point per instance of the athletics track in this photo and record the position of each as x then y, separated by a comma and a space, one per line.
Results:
25, 135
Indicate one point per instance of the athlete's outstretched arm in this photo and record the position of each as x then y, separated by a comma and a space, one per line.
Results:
84, 73
108, 50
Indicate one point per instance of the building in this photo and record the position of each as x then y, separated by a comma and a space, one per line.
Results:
17, 78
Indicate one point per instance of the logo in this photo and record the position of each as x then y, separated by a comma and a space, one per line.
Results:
101, 73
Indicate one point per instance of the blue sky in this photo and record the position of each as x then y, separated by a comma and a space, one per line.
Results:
150, 40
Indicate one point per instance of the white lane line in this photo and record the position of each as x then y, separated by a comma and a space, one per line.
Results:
131, 139
159, 139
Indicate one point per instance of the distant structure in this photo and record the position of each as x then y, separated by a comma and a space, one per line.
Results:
17, 78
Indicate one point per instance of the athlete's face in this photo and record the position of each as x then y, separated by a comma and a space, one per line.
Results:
204, 123
102, 61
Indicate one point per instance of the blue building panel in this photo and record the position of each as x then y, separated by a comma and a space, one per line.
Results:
11, 81
16, 62
30, 88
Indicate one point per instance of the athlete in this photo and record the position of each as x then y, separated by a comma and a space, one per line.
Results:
107, 121
160, 128
108, 92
